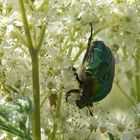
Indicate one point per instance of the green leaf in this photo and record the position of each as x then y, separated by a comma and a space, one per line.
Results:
15, 116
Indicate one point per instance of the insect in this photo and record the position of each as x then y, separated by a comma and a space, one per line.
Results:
96, 76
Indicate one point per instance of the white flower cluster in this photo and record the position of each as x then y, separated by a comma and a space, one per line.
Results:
118, 25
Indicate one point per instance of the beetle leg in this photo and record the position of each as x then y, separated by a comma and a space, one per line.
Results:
76, 75
68, 93
89, 110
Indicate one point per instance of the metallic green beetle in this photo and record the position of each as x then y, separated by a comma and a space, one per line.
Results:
96, 76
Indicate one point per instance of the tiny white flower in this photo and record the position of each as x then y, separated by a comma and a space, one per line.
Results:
127, 136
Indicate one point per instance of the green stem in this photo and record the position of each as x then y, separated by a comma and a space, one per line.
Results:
34, 37
58, 109
41, 37
36, 129
137, 80
26, 26
45, 98
36, 97
69, 50
99, 30
124, 93
78, 54
36, 126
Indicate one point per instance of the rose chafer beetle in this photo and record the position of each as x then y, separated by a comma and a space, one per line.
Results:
96, 76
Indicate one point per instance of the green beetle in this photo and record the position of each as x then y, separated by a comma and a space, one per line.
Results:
96, 76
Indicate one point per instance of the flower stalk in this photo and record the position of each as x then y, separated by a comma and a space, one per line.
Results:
34, 51
58, 109
36, 97
137, 80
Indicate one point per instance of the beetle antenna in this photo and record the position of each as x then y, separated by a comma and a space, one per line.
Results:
90, 110
89, 44
90, 38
